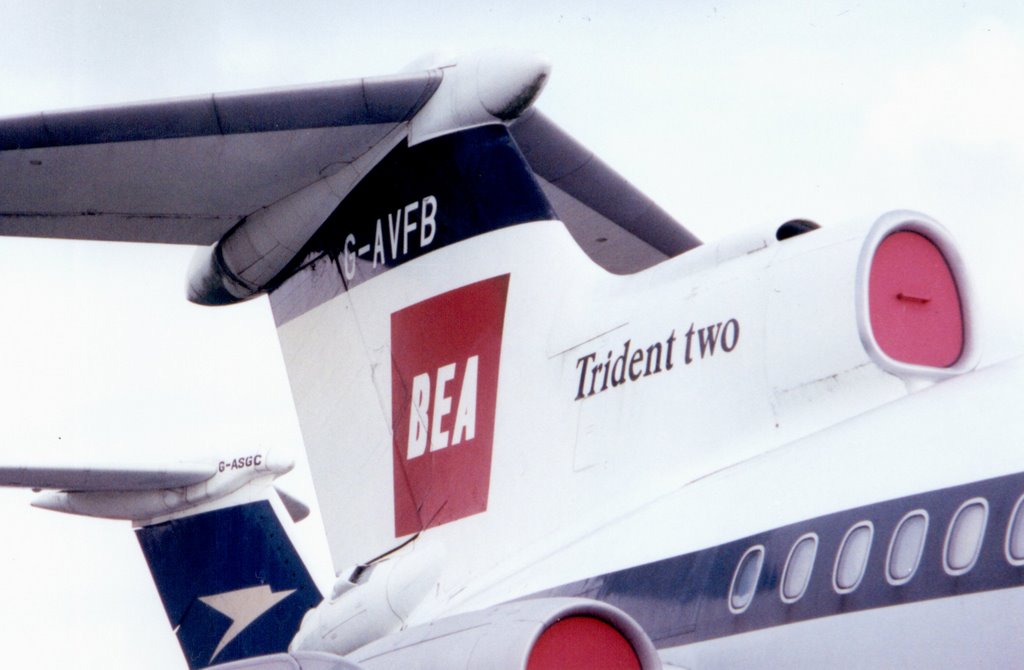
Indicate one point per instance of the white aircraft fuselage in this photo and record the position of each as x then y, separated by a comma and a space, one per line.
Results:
542, 420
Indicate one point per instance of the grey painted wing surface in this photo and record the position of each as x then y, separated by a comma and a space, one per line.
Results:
619, 227
106, 478
186, 170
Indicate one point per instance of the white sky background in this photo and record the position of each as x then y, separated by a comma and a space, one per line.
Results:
730, 115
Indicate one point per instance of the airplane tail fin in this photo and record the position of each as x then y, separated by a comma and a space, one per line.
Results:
404, 312
218, 541
378, 337
411, 232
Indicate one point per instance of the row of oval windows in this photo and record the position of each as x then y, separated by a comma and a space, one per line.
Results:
959, 553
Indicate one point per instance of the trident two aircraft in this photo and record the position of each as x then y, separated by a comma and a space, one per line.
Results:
547, 427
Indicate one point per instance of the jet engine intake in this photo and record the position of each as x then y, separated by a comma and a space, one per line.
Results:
541, 634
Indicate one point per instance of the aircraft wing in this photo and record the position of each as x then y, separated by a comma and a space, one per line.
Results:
187, 170
106, 478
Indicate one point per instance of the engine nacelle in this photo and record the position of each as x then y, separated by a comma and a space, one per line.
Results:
542, 634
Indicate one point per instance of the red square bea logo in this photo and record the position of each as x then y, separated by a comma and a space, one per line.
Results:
445, 353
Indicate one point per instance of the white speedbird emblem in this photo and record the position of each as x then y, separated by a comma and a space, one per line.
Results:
243, 606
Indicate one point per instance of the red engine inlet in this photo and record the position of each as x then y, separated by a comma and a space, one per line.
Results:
540, 634
914, 304
582, 643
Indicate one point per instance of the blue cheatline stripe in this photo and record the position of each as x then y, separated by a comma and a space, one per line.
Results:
683, 599
220, 552
416, 200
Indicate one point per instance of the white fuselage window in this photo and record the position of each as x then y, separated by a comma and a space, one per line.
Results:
906, 547
963, 539
744, 580
797, 573
852, 558
1015, 535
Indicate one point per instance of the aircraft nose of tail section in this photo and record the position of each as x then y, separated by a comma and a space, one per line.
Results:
508, 82
277, 461
486, 87
208, 282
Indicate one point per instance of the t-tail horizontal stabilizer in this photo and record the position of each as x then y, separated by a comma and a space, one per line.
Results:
139, 493
217, 540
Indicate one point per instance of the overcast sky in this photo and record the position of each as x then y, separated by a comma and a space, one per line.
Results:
729, 114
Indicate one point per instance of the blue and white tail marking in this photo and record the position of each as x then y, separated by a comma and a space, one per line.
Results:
231, 581
216, 538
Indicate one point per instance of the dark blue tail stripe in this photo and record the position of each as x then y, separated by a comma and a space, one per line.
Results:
468, 183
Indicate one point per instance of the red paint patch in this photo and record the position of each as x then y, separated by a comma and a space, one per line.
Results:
914, 303
582, 643
445, 353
